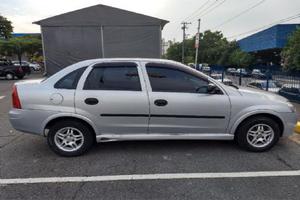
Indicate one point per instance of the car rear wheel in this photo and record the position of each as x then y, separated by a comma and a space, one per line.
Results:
9, 76
70, 138
258, 134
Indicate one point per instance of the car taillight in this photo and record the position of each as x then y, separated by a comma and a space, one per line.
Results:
15, 98
20, 70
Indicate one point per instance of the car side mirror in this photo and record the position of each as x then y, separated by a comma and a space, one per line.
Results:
211, 88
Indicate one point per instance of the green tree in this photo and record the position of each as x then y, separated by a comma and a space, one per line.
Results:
20, 45
174, 52
291, 52
34, 46
240, 58
5, 28
214, 48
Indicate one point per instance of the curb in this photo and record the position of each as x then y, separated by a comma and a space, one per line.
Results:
295, 138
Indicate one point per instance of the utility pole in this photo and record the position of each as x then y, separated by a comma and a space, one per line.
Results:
197, 39
184, 27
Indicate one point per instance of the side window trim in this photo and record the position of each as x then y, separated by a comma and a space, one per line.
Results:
112, 64
79, 71
168, 66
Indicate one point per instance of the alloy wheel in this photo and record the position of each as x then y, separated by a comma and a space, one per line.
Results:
69, 139
260, 135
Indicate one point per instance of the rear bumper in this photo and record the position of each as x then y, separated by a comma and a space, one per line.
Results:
29, 121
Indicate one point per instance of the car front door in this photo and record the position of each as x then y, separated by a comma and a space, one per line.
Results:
180, 102
114, 97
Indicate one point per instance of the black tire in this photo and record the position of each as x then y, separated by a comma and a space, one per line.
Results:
242, 132
20, 77
9, 76
87, 133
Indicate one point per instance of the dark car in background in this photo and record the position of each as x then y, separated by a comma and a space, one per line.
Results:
231, 71
9, 71
25, 66
34, 66
206, 69
223, 80
273, 86
242, 72
291, 92
256, 73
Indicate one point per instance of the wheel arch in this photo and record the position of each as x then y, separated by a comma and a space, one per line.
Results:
10, 72
79, 118
271, 115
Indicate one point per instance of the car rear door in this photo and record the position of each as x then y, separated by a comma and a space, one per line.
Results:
180, 104
114, 97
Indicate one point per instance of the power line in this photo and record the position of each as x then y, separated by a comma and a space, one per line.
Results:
196, 11
212, 5
240, 14
213, 8
266, 26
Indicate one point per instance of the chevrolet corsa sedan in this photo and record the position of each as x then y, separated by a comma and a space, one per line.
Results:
105, 100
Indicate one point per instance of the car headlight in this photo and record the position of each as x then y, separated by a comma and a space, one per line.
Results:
291, 106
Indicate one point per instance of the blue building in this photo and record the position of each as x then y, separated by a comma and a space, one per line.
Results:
24, 34
266, 45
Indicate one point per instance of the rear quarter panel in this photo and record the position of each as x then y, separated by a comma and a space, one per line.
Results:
37, 96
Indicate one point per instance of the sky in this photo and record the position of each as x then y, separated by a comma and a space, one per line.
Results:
23, 12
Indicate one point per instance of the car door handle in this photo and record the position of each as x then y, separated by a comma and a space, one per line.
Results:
161, 102
91, 101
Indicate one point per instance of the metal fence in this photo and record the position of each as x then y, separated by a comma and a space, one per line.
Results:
286, 84
267, 78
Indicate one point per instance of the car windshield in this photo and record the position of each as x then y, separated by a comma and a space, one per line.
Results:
216, 76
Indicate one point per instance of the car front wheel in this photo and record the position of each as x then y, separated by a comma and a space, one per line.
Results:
70, 138
258, 134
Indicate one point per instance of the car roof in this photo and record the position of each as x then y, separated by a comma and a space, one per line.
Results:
92, 61
147, 60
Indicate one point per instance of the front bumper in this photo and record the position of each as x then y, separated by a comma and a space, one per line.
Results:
290, 121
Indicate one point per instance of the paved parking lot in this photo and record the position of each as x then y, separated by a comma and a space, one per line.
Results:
27, 156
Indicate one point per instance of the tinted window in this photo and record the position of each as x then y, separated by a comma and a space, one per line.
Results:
272, 84
113, 78
173, 80
70, 81
291, 90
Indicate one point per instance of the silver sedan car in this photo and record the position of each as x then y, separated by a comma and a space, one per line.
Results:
105, 100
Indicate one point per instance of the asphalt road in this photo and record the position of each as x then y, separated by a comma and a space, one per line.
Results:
27, 156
